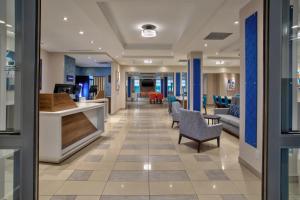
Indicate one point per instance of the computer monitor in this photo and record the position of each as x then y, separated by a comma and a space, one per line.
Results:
64, 88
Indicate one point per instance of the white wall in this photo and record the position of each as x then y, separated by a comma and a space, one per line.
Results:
252, 156
52, 70
117, 96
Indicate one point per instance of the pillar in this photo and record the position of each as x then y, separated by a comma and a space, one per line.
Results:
195, 77
129, 87
177, 83
165, 86
162, 86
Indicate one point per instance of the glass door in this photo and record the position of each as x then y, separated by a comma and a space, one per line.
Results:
282, 114
19, 58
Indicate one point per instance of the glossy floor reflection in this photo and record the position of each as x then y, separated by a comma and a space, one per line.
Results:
138, 158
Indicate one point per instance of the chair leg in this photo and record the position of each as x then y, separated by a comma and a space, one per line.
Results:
218, 141
199, 144
179, 140
173, 124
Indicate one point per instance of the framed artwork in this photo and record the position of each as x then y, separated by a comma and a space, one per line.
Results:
118, 77
231, 85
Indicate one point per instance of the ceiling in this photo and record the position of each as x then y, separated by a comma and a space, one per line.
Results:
91, 60
114, 26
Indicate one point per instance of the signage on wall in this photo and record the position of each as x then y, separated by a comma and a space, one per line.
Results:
70, 78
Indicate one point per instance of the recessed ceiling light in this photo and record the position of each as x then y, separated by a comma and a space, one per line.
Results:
9, 26
148, 61
217, 53
296, 26
220, 62
117, 56
205, 45
236, 22
92, 42
66, 19
148, 31
2, 22
81, 32
99, 48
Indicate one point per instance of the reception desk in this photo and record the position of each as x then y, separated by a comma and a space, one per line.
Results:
104, 101
64, 132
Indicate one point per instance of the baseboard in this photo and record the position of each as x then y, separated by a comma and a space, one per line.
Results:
250, 168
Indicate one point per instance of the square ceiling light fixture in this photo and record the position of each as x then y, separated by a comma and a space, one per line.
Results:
148, 31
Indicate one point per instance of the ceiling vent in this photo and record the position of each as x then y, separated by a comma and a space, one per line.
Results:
183, 61
217, 36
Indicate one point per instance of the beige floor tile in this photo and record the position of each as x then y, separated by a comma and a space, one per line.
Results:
87, 197
167, 166
240, 175
215, 187
129, 165
171, 188
95, 166
81, 188
253, 197
100, 175
162, 152
49, 187
248, 187
197, 175
126, 188
44, 197
209, 197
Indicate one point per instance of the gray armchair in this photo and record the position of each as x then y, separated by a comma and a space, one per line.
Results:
175, 112
193, 126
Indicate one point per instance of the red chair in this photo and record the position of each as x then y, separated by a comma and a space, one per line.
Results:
159, 98
152, 98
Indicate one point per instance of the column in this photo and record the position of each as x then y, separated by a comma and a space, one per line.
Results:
177, 83
165, 86
195, 77
162, 86
129, 87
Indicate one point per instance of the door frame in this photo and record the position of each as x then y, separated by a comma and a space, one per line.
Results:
276, 52
27, 49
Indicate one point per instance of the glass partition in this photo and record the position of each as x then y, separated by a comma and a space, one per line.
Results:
8, 70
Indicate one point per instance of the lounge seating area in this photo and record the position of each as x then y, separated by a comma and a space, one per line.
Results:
155, 98
230, 117
192, 125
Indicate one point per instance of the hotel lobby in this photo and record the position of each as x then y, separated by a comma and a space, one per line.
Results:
149, 100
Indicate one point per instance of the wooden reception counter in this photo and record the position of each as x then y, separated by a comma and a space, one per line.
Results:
64, 132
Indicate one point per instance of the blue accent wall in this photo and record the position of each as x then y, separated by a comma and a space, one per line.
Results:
166, 87
96, 71
70, 69
178, 83
162, 86
129, 87
188, 85
251, 80
197, 84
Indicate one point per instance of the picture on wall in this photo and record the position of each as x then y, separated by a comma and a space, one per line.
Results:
118, 77
231, 85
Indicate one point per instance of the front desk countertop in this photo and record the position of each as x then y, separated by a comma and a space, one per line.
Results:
62, 133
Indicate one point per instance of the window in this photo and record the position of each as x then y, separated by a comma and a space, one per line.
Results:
137, 88
158, 85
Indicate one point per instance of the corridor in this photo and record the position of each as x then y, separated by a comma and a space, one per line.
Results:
138, 158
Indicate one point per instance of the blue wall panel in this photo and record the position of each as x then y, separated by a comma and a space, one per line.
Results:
96, 71
197, 84
70, 69
166, 87
188, 86
162, 86
251, 80
178, 83
129, 87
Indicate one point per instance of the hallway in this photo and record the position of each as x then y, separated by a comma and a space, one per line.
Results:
138, 158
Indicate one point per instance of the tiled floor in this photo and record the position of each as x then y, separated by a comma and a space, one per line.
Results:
138, 158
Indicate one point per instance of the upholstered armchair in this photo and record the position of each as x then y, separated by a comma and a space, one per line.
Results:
175, 112
193, 126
